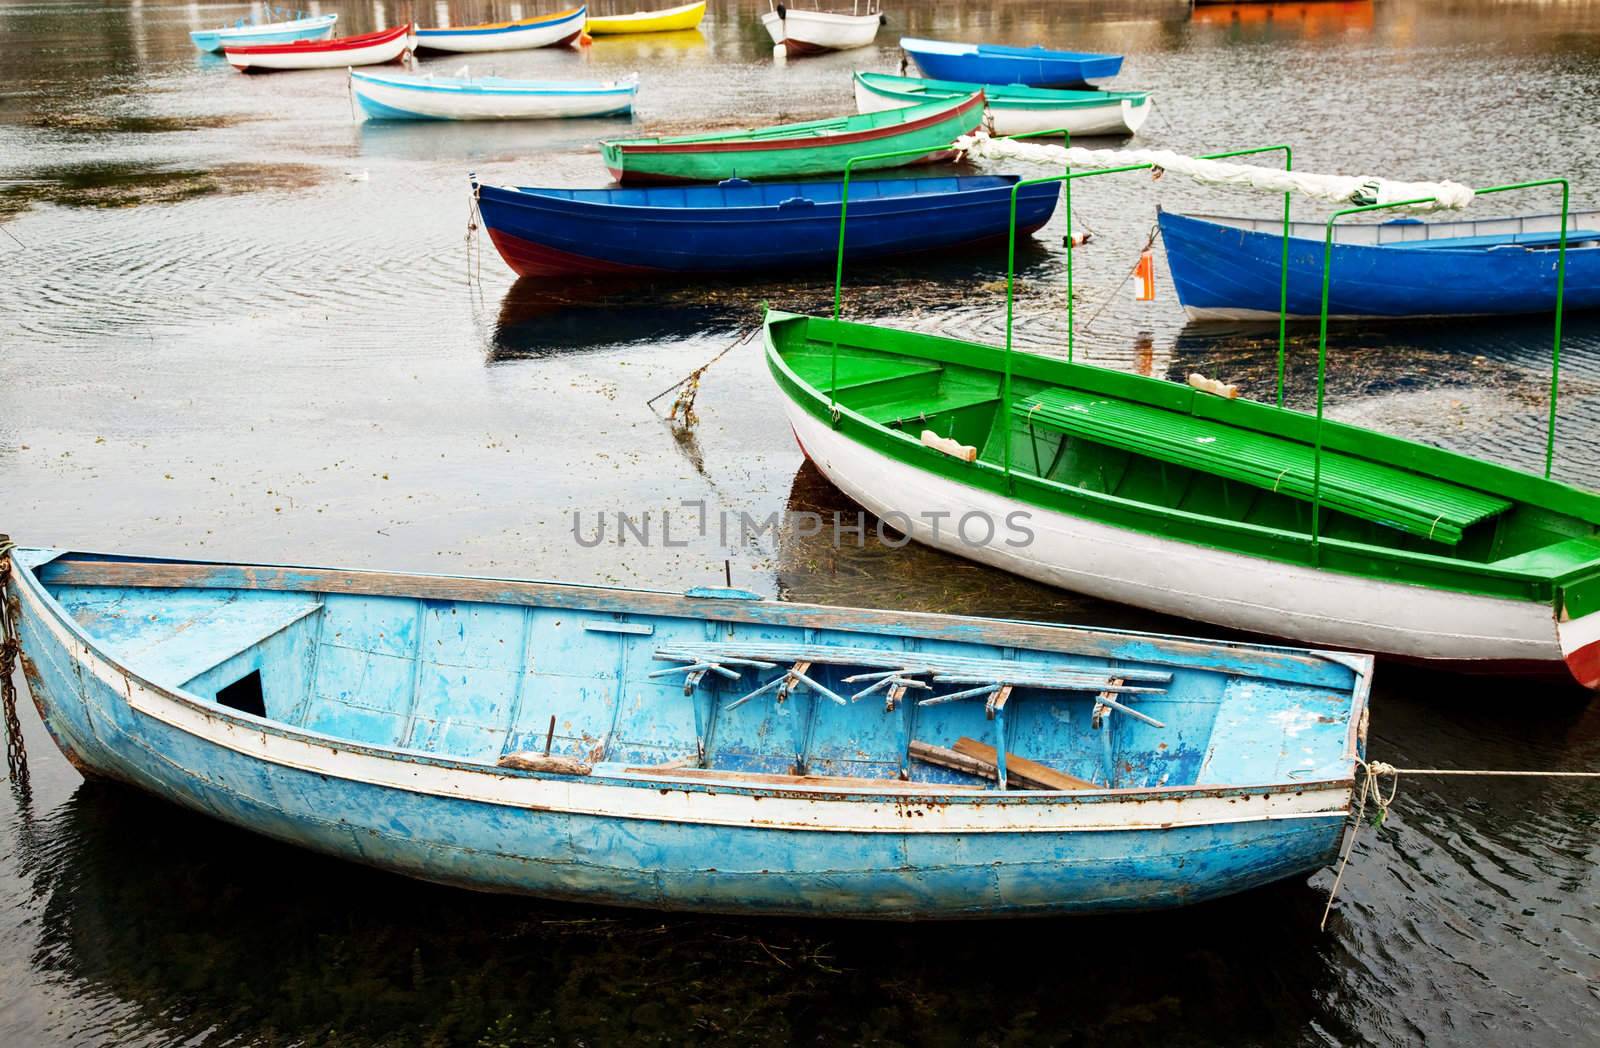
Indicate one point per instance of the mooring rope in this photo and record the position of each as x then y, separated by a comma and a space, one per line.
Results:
1370, 788
16, 751
1155, 232
683, 405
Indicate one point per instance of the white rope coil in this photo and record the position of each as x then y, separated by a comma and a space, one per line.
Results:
1360, 190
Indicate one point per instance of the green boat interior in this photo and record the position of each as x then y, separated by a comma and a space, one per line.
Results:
1179, 450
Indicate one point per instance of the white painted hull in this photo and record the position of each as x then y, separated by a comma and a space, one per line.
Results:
805, 31
1320, 608
1117, 117
374, 54
442, 101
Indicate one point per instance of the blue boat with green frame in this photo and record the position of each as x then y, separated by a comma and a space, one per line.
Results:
705, 751
1233, 268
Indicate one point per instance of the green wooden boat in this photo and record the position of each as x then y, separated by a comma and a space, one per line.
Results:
817, 147
1164, 496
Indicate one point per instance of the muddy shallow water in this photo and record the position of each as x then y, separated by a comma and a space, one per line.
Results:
239, 324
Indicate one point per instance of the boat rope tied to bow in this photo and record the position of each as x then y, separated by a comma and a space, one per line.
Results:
682, 411
1370, 788
1360, 190
16, 752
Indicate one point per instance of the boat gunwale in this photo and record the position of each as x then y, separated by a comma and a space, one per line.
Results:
658, 212
815, 403
267, 28
731, 142
490, 28
1319, 239
1272, 661
36, 590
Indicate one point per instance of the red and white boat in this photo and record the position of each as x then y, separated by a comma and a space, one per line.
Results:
386, 45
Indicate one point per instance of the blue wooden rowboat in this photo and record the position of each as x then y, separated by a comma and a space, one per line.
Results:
994, 64
705, 751
318, 27
739, 225
1231, 268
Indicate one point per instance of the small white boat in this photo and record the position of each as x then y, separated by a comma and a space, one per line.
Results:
319, 27
557, 29
386, 45
1012, 108
390, 97
812, 32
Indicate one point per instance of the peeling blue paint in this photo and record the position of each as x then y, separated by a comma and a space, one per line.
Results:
458, 683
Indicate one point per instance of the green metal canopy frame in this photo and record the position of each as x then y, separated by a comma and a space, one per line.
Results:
1067, 178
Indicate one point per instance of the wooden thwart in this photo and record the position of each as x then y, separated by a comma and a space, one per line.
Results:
975, 758
545, 763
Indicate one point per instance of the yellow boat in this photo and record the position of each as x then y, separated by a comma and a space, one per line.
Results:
686, 17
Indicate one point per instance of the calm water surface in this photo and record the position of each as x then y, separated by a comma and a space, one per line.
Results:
239, 324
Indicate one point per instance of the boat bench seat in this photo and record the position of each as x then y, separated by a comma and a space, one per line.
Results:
175, 641
1419, 505
899, 411
1556, 559
858, 373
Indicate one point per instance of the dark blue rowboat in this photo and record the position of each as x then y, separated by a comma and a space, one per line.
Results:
737, 225
1231, 268
994, 64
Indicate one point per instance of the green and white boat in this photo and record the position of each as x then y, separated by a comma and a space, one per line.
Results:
1163, 496
817, 147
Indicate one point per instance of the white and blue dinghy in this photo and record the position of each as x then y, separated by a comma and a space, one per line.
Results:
706, 751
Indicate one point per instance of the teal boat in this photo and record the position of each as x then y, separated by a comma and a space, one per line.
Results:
1014, 109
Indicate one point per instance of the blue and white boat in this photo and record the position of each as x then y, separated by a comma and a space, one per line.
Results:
994, 64
398, 97
1232, 268
552, 30
706, 751
737, 225
317, 27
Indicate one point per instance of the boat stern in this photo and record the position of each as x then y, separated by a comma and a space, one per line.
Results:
1578, 629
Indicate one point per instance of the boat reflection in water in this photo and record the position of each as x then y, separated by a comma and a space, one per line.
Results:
540, 318
1313, 17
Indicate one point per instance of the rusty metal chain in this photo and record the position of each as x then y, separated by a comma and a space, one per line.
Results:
16, 751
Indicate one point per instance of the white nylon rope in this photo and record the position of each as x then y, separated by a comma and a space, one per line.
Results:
1359, 190
1370, 789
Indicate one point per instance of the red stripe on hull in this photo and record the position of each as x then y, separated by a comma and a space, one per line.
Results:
307, 47
1584, 665
805, 141
630, 177
528, 259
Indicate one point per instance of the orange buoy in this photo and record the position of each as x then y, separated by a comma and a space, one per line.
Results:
1144, 277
